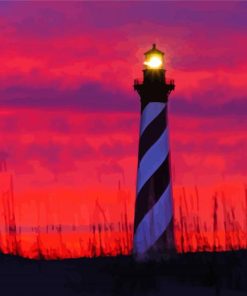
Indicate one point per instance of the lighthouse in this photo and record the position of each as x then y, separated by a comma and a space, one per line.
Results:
153, 222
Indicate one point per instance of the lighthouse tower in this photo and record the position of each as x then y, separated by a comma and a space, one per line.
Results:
153, 223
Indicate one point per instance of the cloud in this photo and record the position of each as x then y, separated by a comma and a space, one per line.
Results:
110, 168
203, 107
77, 63
118, 149
90, 96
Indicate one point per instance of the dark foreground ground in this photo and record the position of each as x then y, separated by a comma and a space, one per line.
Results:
188, 274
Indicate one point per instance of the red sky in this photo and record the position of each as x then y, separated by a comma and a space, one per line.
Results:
70, 117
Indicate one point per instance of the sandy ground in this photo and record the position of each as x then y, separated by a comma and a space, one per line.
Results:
108, 276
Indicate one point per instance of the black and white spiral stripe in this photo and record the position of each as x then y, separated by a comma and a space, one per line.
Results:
153, 210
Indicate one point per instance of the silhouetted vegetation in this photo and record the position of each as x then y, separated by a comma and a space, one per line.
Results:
105, 238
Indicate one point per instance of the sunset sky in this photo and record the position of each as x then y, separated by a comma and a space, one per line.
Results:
69, 117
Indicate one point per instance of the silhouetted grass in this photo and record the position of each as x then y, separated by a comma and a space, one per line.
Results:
107, 239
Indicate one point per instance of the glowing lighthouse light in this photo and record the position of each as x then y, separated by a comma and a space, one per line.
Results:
154, 59
155, 62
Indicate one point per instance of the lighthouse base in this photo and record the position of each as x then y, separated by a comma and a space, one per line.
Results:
163, 249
